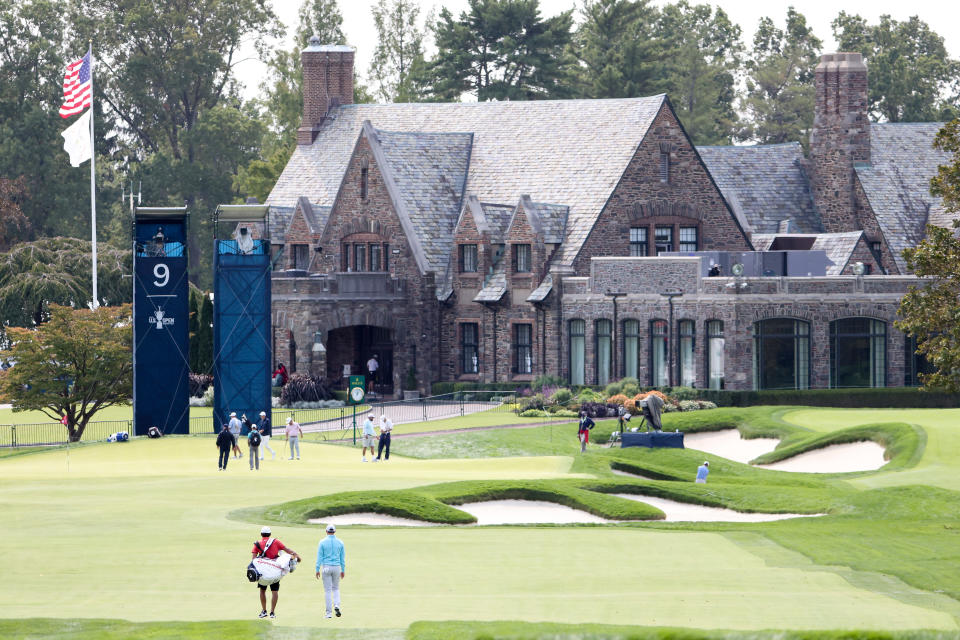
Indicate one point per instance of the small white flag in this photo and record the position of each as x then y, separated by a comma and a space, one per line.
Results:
76, 140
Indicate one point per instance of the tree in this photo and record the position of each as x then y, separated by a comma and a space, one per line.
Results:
13, 224
503, 50
34, 275
780, 94
166, 71
703, 58
74, 365
201, 331
399, 50
912, 79
930, 313
619, 54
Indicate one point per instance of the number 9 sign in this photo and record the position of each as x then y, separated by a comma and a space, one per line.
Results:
162, 274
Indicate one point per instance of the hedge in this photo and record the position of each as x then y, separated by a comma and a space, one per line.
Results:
876, 398
441, 388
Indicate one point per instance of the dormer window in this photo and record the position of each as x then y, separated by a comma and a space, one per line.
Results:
468, 258
521, 258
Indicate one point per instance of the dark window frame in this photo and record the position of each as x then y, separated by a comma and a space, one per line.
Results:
582, 334
469, 350
760, 335
654, 332
597, 336
639, 248
836, 335
708, 327
522, 248
522, 351
464, 251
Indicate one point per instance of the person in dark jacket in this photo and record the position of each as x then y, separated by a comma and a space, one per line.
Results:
266, 431
224, 443
583, 431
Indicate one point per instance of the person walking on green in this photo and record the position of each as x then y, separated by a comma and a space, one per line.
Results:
253, 443
331, 567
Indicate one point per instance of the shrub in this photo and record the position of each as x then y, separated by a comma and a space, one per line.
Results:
630, 390
617, 399
632, 406
565, 413
198, 384
689, 405
599, 409
706, 404
305, 388
208, 397
589, 395
613, 388
561, 396
320, 404
535, 401
546, 381
534, 413
684, 393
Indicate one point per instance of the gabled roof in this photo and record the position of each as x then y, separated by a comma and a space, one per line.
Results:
541, 292
897, 183
548, 219
280, 218
316, 216
425, 174
765, 184
491, 219
568, 151
839, 247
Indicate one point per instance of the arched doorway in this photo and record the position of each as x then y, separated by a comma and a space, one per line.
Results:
353, 346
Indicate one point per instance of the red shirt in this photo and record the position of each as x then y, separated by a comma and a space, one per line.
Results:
272, 552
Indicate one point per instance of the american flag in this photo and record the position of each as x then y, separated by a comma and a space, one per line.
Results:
77, 87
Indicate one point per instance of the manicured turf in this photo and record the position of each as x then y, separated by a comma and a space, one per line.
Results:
150, 531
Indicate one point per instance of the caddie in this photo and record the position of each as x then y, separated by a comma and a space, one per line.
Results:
268, 547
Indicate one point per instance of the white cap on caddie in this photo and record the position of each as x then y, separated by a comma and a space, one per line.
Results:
265, 531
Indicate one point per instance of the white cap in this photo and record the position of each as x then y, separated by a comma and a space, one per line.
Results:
331, 528
289, 420
263, 413
370, 415
706, 464
265, 531
233, 414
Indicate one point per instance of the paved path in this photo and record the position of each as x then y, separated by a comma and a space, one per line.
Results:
405, 413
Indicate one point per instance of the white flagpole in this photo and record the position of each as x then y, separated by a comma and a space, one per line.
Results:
93, 189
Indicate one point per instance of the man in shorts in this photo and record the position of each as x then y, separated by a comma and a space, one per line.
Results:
235, 426
368, 437
270, 548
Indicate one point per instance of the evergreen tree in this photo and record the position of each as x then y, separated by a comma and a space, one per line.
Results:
503, 50
912, 79
780, 94
619, 53
703, 56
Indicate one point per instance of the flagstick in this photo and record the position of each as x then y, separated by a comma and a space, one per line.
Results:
93, 189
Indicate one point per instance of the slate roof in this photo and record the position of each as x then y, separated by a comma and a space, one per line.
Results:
494, 288
280, 218
541, 292
552, 218
897, 183
838, 246
565, 151
765, 184
429, 171
498, 218
316, 216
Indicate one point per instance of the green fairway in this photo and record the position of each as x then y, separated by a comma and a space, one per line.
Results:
150, 531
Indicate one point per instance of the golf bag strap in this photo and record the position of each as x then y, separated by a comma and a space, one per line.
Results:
264, 547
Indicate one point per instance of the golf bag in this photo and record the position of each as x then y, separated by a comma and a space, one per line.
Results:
154, 432
265, 571
120, 436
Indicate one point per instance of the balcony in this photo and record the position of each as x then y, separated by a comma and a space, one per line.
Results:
368, 284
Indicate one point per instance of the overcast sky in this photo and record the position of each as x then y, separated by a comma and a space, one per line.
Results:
942, 15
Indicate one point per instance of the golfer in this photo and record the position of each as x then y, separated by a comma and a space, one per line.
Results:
266, 430
224, 442
253, 443
702, 472
331, 566
235, 426
270, 548
368, 437
583, 431
386, 428
294, 433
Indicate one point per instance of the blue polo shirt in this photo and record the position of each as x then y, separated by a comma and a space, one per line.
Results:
368, 427
702, 472
330, 552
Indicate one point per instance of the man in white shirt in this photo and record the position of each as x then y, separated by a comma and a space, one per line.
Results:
372, 365
386, 427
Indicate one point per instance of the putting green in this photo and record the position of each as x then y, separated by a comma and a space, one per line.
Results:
939, 466
141, 531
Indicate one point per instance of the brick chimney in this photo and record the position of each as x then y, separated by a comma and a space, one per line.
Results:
840, 137
327, 83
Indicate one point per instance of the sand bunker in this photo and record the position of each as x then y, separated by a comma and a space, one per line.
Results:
370, 518
837, 458
686, 512
729, 444
526, 512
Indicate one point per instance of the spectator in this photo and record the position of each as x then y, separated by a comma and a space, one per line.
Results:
702, 472
246, 425
253, 443
331, 566
386, 428
266, 430
224, 442
235, 432
280, 376
268, 547
368, 437
293, 433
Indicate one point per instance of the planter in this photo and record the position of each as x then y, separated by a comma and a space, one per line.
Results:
411, 395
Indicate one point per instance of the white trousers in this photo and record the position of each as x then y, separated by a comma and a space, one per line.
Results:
331, 586
265, 444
